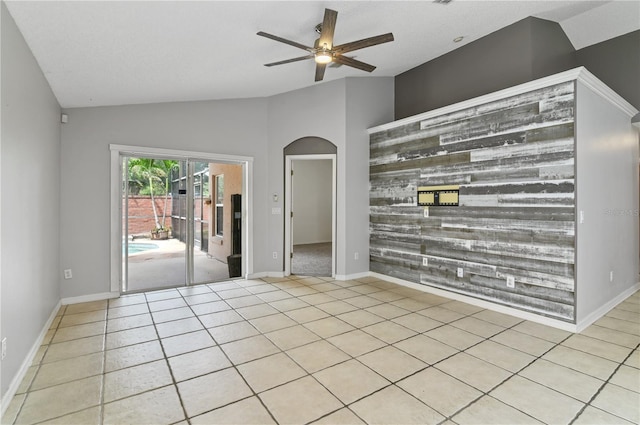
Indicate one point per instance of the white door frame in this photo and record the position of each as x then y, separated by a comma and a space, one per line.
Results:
116, 201
288, 237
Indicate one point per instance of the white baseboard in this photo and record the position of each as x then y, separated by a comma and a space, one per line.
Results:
543, 320
353, 276
88, 298
604, 309
17, 379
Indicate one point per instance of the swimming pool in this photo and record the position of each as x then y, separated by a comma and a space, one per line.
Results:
135, 247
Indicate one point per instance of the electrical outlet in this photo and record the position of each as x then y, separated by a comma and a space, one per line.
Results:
68, 274
356, 256
511, 282
275, 255
4, 347
425, 261
611, 276
460, 272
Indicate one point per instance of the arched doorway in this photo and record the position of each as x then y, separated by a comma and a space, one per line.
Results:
310, 207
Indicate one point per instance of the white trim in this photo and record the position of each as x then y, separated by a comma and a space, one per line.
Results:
580, 74
179, 154
605, 308
260, 275
247, 219
27, 363
604, 91
352, 276
288, 238
116, 204
565, 326
91, 297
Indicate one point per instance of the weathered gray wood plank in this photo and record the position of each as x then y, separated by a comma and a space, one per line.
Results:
457, 158
548, 96
514, 162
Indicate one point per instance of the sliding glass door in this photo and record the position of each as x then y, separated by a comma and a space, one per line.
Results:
167, 208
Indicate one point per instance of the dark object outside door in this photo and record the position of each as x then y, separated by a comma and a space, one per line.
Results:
234, 261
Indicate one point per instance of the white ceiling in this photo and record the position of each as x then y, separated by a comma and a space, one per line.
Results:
97, 53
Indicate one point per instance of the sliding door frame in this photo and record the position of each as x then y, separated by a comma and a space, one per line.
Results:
116, 183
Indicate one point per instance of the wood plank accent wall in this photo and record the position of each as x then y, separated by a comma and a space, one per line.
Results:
514, 162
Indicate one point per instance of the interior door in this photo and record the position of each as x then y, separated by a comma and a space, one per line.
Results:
310, 215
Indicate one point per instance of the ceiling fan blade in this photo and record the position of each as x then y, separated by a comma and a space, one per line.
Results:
365, 42
345, 60
320, 67
301, 58
285, 41
328, 28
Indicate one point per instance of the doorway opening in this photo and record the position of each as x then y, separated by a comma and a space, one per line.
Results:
310, 215
181, 219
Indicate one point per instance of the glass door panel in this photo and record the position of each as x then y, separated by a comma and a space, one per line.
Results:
168, 208
153, 256
205, 267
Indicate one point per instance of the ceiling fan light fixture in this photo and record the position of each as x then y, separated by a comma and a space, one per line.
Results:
323, 57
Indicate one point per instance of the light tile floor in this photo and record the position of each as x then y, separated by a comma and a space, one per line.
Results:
311, 350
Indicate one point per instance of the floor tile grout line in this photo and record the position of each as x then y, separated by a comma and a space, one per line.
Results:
483, 393
539, 357
593, 354
44, 388
617, 318
39, 365
619, 364
312, 374
104, 365
234, 366
356, 358
610, 342
166, 359
601, 388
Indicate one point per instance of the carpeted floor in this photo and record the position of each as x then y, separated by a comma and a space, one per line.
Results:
312, 259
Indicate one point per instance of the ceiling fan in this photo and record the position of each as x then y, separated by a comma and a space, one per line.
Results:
323, 50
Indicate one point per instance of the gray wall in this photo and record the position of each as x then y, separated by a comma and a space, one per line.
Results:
259, 128
340, 112
521, 52
369, 103
233, 127
30, 179
617, 63
607, 193
529, 49
316, 111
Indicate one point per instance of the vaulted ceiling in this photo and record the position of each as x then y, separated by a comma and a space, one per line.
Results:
96, 53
